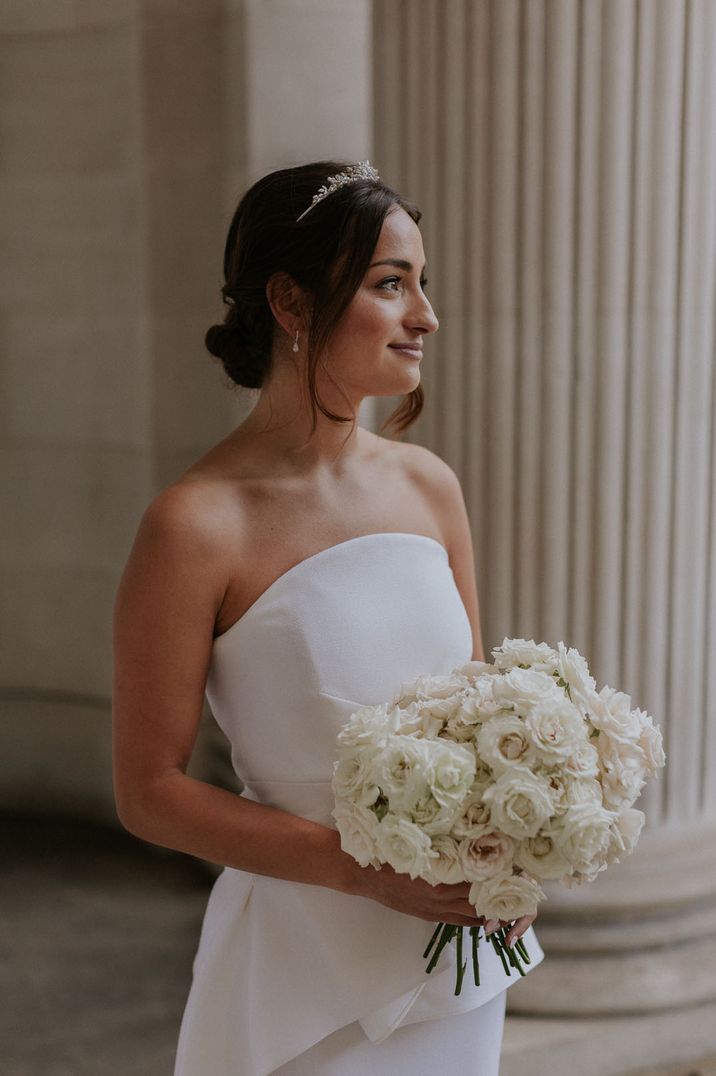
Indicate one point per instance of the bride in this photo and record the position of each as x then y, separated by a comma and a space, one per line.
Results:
301, 568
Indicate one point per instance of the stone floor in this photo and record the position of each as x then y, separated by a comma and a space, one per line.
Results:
703, 1068
97, 935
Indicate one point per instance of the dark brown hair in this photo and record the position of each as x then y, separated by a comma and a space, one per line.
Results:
327, 253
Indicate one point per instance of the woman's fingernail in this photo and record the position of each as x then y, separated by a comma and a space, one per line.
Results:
491, 925
511, 941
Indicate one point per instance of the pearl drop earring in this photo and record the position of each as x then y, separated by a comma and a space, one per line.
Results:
295, 342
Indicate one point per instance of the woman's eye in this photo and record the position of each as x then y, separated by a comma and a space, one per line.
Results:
398, 279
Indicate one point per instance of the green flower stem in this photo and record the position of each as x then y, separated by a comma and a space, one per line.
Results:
447, 934
499, 950
475, 932
460, 965
432, 941
510, 954
522, 949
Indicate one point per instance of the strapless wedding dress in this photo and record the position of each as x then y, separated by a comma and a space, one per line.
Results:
296, 978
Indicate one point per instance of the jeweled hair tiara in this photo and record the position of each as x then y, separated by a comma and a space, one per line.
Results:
362, 170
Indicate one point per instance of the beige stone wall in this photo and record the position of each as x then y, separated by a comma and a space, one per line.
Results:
129, 131
76, 423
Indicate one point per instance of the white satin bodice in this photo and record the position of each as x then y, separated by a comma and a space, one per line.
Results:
282, 964
340, 630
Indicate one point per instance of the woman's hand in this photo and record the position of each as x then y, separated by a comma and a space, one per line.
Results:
517, 928
437, 903
441, 903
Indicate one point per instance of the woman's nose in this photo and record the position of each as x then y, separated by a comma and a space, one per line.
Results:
425, 319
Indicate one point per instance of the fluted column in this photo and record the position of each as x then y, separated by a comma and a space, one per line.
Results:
564, 155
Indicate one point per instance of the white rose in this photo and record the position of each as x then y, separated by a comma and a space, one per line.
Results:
567, 790
358, 828
625, 831
583, 790
513, 652
556, 729
444, 686
441, 709
480, 698
588, 703
473, 669
524, 688
583, 835
415, 720
486, 856
483, 773
474, 817
453, 770
477, 705
520, 802
578, 878
651, 743
503, 741
559, 783
447, 867
456, 732
432, 687
404, 846
583, 762
433, 817
622, 771
509, 897
403, 771
369, 725
573, 669
540, 856
353, 776
611, 712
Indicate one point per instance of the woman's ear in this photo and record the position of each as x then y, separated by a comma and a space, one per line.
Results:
287, 301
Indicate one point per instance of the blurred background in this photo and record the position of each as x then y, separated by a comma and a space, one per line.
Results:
564, 155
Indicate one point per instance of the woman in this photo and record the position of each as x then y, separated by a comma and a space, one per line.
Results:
301, 568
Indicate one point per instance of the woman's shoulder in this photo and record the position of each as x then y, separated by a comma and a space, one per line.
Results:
425, 467
195, 511
434, 483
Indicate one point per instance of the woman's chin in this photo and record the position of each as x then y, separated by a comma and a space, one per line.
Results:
406, 379
412, 381
397, 387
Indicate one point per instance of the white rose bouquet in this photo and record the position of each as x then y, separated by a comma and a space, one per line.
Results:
500, 775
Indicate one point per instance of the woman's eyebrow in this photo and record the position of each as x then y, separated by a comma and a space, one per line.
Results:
399, 262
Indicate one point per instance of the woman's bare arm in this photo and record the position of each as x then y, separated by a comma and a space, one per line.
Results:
164, 616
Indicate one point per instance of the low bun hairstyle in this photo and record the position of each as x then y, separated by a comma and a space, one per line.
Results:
327, 253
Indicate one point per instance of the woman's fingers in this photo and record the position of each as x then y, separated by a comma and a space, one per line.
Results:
459, 920
454, 904
443, 902
519, 927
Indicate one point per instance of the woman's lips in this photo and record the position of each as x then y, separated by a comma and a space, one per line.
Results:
414, 352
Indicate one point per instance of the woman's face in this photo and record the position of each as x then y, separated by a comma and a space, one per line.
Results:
389, 308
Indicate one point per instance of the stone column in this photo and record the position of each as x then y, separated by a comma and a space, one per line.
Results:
76, 431
298, 88
130, 132
564, 155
